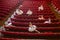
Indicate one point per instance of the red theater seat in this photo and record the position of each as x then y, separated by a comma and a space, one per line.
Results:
6, 7
25, 29
34, 20
26, 34
38, 24
20, 23
34, 17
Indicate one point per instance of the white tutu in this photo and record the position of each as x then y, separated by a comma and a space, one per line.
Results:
32, 28
41, 18
49, 21
9, 24
29, 12
19, 12
40, 8
13, 15
2, 28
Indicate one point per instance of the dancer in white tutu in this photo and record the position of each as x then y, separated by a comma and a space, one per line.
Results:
41, 17
49, 21
29, 12
32, 28
19, 12
40, 8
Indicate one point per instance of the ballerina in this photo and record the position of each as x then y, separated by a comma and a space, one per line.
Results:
49, 21
19, 12
32, 28
41, 17
40, 8
29, 12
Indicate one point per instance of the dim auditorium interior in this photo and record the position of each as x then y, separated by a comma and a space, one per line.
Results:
16, 16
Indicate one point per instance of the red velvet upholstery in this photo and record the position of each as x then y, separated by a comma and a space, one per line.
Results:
20, 23
38, 24
25, 34
6, 6
25, 29
34, 20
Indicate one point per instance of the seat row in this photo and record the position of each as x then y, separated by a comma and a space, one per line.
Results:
33, 20
25, 29
34, 17
25, 24
30, 35
20, 23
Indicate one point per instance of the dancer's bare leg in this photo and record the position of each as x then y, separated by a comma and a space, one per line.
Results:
37, 31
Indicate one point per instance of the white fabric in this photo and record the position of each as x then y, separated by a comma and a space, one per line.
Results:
9, 24
9, 20
41, 18
49, 21
19, 12
13, 15
29, 12
32, 28
2, 28
40, 8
